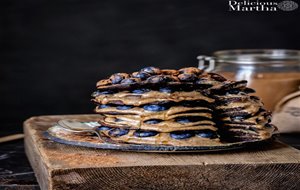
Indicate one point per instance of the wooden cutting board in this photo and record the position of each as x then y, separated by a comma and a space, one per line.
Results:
59, 166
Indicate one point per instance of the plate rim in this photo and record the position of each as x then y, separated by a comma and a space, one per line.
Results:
153, 148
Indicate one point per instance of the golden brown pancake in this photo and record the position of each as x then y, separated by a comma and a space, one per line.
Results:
160, 126
175, 138
131, 98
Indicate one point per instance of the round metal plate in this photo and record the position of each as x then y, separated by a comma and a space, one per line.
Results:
60, 135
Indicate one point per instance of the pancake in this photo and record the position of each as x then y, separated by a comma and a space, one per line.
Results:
151, 77
156, 111
234, 135
146, 96
175, 138
261, 117
242, 117
179, 123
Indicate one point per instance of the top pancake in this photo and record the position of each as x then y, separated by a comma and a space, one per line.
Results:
152, 77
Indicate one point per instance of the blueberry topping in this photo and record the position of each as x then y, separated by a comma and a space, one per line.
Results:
116, 80
140, 91
97, 93
156, 79
150, 70
142, 75
123, 107
206, 134
128, 81
117, 132
141, 133
159, 79
104, 128
118, 77
165, 90
154, 107
106, 92
181, 134
238, 118
103, 106
153, 121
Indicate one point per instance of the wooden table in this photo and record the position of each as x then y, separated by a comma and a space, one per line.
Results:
59, 166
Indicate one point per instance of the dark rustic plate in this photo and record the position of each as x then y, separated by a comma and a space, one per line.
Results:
61, 135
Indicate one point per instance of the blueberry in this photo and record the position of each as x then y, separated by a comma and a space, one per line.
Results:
128, 81
117, 132
159, 79
104, 128
103, 106
150, 70
118, 77
97, 93
124, 107
181, 134
165, 89
154, 107
153, 121
206, 134
237, 118
183, 120
140, 91
106, 92
141, 133
142, 75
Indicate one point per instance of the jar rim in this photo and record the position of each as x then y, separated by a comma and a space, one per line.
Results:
258, 56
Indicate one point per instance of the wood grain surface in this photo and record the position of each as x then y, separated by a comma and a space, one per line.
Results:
59, 166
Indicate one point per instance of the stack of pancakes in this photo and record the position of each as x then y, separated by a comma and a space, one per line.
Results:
240, 116
178, 107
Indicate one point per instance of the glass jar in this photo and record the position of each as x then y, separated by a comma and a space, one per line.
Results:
273, 73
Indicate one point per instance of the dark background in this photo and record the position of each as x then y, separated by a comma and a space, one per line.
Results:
53, 52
